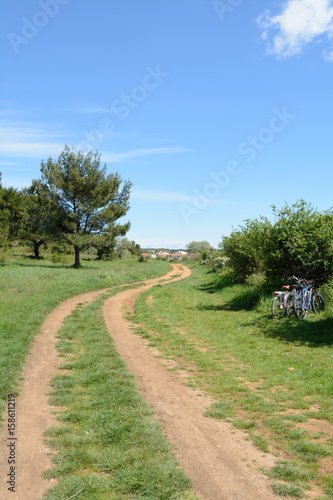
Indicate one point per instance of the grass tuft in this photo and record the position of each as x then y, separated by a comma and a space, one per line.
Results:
285, 490
220, 410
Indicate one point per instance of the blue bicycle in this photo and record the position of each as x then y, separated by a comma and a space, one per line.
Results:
302, 302
307, 298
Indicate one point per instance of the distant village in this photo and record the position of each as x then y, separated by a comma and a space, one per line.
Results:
179, 255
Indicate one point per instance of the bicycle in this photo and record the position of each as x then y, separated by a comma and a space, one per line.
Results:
308, 299
303, 301
281, 305
318, 302
283, 302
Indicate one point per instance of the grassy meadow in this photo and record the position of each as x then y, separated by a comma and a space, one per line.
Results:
31, 289
271, 378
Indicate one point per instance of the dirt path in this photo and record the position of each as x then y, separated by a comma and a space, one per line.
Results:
207, 449
33, 412
221, 463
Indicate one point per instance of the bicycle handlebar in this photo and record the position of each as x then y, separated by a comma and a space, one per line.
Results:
299, 280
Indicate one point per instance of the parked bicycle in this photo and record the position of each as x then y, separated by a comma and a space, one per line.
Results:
283, 302
281, 305
299, 297
308, 299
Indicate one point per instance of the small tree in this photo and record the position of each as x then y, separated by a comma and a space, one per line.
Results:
199, 246
42, 219
119, 248
125, 248
302, 241
12, 215
89, 201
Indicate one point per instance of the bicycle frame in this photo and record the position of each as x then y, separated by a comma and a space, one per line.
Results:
306, 294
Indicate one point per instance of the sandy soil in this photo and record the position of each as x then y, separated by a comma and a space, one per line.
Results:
220, 462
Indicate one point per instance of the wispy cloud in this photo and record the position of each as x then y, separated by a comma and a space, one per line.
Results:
10, 109
11, 164
32, 149
32, 140
153, 196
300, 23
95, 109
135, 153
160, 196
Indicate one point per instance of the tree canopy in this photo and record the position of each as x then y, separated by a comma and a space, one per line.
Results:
88, 201
198, 246
12, 215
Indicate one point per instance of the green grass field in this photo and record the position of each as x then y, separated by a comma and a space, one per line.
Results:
108, 445
271, 378
30, 290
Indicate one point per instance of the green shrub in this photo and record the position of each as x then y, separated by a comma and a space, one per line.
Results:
298, 242
327, 291
256, 279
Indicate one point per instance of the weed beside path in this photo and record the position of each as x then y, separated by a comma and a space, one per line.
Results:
272, 379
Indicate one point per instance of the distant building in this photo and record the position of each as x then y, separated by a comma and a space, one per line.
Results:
168, 255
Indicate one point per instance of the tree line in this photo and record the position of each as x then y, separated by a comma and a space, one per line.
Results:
75, 201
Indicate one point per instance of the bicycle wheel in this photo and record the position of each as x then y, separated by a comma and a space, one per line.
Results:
317, 303
300, 311
278, 310
289, 303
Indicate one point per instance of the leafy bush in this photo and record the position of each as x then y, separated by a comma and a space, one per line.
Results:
300, 242
256, 279
327, 291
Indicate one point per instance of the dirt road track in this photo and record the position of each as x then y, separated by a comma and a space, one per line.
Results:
33, 412
210, 451
207, 450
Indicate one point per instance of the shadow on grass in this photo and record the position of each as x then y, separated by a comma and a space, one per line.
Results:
218, 284
309, 333
245, 297
53, 266
315, 331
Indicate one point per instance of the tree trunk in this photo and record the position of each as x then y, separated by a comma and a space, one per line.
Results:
77, 256
37, 244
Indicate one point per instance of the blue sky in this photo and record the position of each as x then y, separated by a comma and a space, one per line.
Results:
215, 110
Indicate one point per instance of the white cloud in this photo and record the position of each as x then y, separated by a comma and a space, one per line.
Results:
95, 109
11, 164
135, 153
32, 149
21, 139
301, 22
31, 140
167, 197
